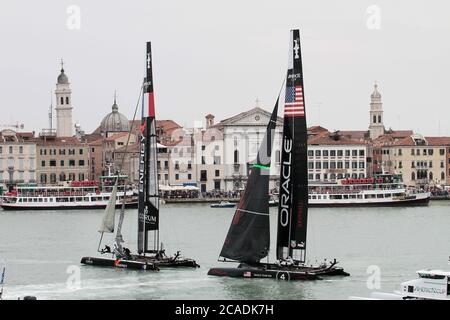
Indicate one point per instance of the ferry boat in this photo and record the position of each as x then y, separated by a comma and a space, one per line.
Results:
380, 190
73, 195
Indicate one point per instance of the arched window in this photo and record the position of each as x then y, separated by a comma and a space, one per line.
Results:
67, 100
62, 176
236, 156
431, 175
43, 178
339, 176
62, 100
413, 176
333, 176
374, 119
442, 175
52, 178
379, 119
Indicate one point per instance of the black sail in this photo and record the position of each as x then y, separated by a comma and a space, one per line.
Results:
148, 207
248, 239
293, 195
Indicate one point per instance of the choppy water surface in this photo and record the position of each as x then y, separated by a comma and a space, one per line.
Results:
39, 248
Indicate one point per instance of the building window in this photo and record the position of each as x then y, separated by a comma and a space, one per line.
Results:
43, 178
10, 150
340, 153
52, 163
67, 100
333, 176
62, 176
71, 163
42, 163
236, 156
203, 160
310, 153
424, 152
332, 165
333, 153
52, 178
189, 165
441, 152
431, 164
81, 163
379, 119
203, 147
166, 165
374, 119
412, 152
217, 185
62, 151
400, 165
442, 175
413, 165
340, 165
310, 165
361, 165
159, 164
20, 149
189, 176
93, 149
61, 163
317, 176
347, 165
203, 175
216, 159
318, 165
177, 165
347, 153
354, 153
318, 153
81, 151
413, 175
61, 100
442, 164
217, 173
354, 165
310, 176
361, 153
166, 176
325, 165
431, 175
325, 153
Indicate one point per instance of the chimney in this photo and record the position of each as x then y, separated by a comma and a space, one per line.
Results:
209, 120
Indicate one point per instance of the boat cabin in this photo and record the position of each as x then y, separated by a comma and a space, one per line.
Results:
431, 284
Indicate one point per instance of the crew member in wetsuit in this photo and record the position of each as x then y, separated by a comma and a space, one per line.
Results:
107, 249
176, 256
127, 253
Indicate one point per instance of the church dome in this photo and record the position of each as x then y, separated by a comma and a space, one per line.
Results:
62, 78
115, 121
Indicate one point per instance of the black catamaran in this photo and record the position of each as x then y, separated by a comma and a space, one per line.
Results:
150, 253
248, 239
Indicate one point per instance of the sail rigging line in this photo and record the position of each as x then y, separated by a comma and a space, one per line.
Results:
253, 212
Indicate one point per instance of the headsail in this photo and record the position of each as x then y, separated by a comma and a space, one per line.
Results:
293, 197
108, 221
248, 239
148, 211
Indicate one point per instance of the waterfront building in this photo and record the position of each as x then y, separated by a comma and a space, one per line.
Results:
63, 106
332, 156
421, 160
17, 157
241, 137
60, 159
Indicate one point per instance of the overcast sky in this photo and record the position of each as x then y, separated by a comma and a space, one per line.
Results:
219, 56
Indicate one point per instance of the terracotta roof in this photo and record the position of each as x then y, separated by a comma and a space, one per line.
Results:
355, 134
430, 141
328, 139
71, 141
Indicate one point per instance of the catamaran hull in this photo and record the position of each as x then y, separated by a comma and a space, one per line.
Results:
18, 207
274, 271
249, 273
125, 264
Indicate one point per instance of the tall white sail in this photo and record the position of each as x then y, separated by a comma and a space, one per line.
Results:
108, 221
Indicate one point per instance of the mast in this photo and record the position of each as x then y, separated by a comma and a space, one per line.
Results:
148, 209
248, 239
293, 201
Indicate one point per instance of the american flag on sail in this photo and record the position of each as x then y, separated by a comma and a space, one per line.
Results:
294, 106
